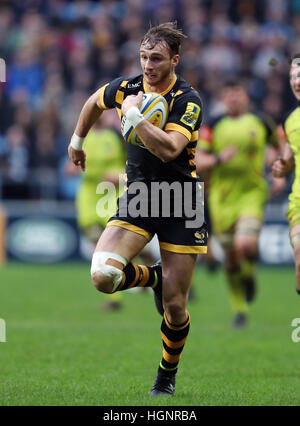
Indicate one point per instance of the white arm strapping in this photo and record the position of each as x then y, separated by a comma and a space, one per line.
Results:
134, 116
77, 142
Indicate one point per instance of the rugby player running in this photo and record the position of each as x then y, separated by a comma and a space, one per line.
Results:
232, 146
290, 161
167, 156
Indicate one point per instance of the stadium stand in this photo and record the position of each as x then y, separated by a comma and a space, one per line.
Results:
57, 52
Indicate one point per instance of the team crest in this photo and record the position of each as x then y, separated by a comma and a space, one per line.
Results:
199, 235
191, 114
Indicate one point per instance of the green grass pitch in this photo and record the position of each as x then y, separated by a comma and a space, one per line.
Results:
62, 349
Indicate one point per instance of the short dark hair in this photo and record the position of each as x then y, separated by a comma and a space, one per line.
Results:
168, 33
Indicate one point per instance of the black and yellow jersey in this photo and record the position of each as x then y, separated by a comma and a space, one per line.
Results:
185, 116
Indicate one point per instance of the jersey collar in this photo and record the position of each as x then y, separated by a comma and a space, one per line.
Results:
168, 89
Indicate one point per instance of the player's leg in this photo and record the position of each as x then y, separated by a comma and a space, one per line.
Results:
177, 269
295, 241
177, 275
92, 233
224, 216
236, 287
111, 268
246, 243
209, 258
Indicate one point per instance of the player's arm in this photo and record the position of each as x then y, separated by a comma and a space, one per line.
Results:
274, 140
205, 158
276, 143
166, 145
284, 164
206, 161
89, 114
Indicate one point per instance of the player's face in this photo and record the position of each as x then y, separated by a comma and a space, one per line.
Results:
295, 80
235, 100
157, 63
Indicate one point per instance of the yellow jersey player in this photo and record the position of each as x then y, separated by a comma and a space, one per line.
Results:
166, 158
233, 147
291, 160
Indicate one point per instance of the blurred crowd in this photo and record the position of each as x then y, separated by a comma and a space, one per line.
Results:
58, 52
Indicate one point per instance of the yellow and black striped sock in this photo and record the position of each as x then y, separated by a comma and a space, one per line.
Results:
173, 337
140, 276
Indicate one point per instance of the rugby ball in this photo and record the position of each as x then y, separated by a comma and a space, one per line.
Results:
155, 109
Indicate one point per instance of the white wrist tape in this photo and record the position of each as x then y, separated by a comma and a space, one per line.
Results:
77, 142
134, 116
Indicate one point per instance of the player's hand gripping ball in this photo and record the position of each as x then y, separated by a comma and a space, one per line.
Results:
155, 109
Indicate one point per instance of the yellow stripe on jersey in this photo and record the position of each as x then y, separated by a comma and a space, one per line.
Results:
120, 97
101, 96
191, 151
172, 102
178, 128
195, 136
119, 112
165, 91
130, 227
174, 248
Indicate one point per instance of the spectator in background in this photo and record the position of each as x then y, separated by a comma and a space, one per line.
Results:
16, 166
6, 111
272, 105
58, 52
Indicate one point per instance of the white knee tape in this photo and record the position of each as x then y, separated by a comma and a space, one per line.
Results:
111, 272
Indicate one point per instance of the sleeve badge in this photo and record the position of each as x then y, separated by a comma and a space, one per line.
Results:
191, 115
